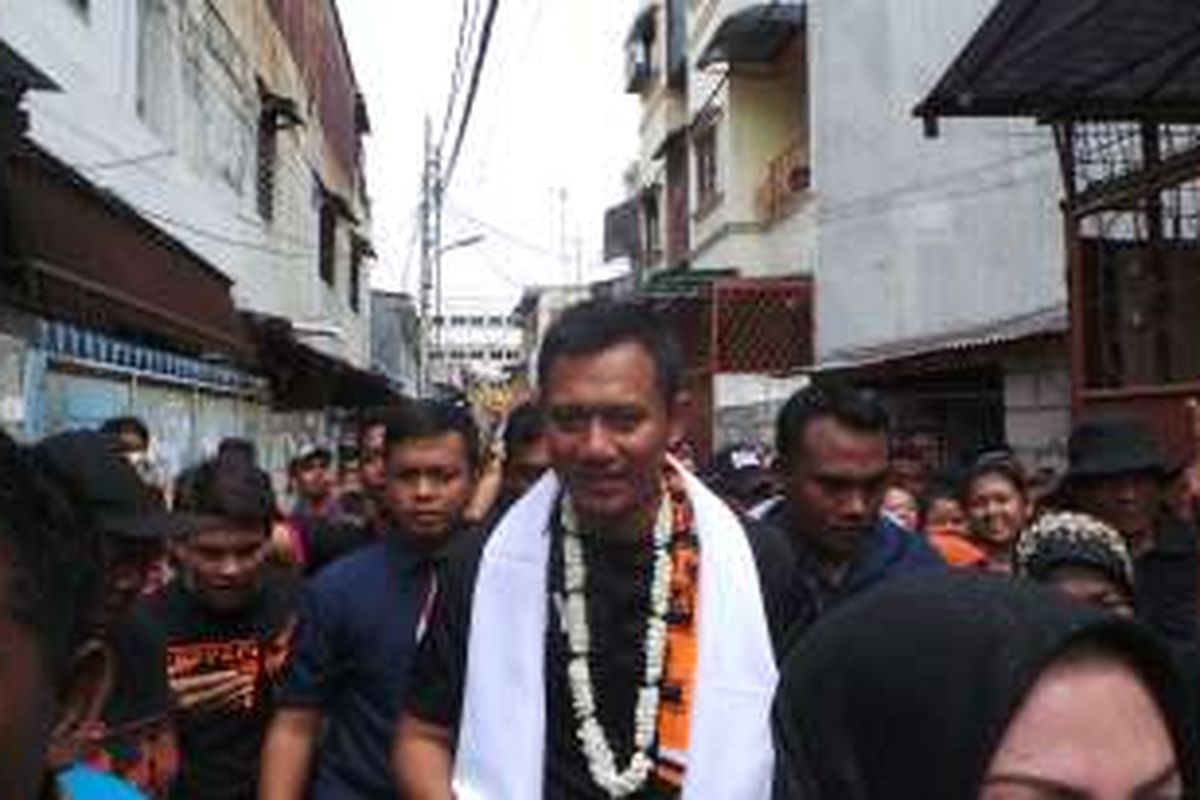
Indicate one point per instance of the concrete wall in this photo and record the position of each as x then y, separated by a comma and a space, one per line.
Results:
394, 335
920, 236
1037, 404
191, 169
745, 407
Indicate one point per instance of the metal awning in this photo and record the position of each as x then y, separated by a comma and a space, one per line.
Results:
682, 282
643, 25
303, 378
18, 76
1085, 59
755, 35
81, 254
1050, 321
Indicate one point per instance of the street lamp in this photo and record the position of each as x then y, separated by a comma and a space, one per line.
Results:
466, 241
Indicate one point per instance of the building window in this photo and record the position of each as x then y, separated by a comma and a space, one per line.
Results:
327, 242
268, 148
156, 67
218, 87
639, 52
704, 145
652, 223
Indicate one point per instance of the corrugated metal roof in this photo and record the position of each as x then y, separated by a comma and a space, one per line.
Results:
1083, 59
756, 34
1051, 320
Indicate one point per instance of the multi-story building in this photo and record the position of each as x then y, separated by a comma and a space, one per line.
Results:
188, 218
720, 224
778, 140
536, 311
723, 170
471, 342
395, 334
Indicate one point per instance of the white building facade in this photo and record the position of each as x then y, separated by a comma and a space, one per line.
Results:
218, 137
940, 260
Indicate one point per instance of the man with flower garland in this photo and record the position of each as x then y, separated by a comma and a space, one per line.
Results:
616, 633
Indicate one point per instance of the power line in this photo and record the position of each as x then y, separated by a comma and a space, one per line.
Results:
508, 236
466, 32
485, 39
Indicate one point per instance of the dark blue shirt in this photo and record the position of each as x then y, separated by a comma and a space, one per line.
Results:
888, 551
358, 633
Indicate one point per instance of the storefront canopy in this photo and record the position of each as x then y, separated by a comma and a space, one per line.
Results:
82, 255
1085, 59
755, 35
304, 378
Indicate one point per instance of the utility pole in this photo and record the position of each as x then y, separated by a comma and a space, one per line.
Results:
430, 212
564, 260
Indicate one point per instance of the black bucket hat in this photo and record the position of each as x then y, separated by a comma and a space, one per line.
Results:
106, 487
1111, 446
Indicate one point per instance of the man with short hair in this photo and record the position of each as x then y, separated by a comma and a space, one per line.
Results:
53, 671
526, 456
134, 737
133, 437
364, 503
616, 633
1118, 472
228, 626
313, 483
362, 618
832, 456
740, 476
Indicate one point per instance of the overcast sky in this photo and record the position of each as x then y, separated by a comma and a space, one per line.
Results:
551, 115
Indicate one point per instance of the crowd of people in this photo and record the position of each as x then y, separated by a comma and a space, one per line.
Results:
574, 612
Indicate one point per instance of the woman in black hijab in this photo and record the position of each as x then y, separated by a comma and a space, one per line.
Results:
927, 689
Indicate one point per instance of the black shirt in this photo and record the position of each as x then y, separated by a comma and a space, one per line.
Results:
1166, 582
220, 750
618, 588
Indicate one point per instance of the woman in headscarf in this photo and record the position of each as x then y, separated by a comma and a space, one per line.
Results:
968, 687
1079, 556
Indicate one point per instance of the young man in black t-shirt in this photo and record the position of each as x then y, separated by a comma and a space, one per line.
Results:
228, 627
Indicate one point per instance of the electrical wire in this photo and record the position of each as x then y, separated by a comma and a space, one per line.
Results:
485, 39
467, 22
508, 236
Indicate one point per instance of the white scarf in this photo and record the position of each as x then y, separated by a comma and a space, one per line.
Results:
501, 746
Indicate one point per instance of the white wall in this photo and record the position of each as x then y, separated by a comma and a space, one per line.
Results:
745, 407
920, 236
94, 126
1037, 418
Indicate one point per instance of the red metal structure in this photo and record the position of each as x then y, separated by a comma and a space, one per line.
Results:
730, 325
1120, 82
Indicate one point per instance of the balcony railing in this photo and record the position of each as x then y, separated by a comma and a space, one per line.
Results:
788, 178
